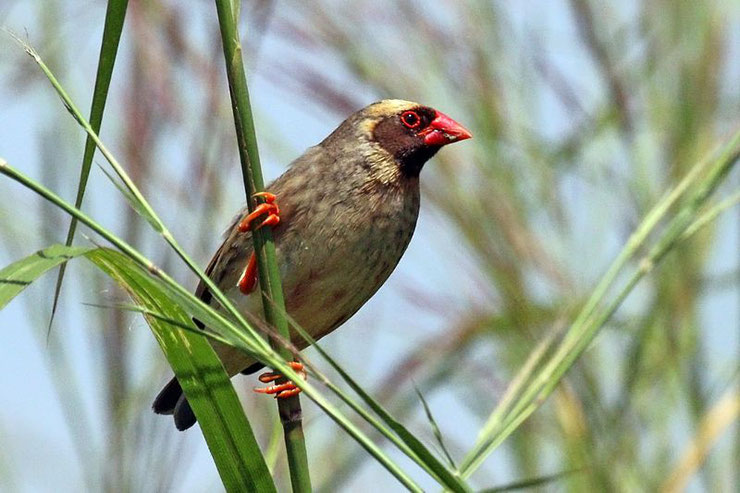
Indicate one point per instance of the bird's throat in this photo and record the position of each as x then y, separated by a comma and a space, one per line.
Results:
412, 160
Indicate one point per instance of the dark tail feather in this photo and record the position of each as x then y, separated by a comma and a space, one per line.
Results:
254, 367
167, 398
184, 416
171, 400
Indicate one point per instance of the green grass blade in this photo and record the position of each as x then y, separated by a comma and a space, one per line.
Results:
181, 294
227, 432
710, 215
148, 312
17, 276
136, 205
310, 391
513, 391
114, 18
209, 390
435, 428
403, 438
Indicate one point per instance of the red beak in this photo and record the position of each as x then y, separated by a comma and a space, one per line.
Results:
444, 130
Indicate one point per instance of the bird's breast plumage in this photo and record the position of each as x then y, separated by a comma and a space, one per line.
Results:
342, 233
344, 244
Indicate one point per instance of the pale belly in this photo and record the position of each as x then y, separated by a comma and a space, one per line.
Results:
327, 278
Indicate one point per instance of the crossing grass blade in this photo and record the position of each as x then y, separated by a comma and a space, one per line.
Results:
207, 386
227, 432
114, 19
395, 431
20, 274
435, 428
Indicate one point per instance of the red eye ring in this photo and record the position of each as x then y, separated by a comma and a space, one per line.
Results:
410, 119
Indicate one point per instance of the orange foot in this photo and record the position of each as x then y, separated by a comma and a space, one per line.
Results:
268, 207
248, 281
281, 390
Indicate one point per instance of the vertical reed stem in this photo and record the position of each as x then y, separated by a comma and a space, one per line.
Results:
269, 275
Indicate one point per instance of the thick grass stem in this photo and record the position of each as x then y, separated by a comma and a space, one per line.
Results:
269, 276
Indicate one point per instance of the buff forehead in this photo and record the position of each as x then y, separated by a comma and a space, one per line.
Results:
383, 108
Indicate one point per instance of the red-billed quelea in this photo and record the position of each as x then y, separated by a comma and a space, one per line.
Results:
347, 210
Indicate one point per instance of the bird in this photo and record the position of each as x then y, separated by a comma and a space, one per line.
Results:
342, 215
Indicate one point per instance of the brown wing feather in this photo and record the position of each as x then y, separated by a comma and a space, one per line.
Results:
229, 249
292, 190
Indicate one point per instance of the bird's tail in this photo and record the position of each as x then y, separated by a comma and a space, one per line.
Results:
171, 400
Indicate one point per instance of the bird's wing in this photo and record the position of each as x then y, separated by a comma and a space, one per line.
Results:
217, 269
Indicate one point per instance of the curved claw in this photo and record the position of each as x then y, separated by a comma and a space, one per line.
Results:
281, 390
271, 210
271, 220
269, 197
269, 207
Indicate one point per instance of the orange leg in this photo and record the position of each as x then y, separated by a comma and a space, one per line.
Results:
248, 280
281, 390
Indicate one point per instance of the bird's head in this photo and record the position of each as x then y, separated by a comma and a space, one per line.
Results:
398, 137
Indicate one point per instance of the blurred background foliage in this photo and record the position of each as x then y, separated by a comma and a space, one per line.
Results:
584, 113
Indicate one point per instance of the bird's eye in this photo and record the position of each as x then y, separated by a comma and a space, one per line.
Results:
410, 119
